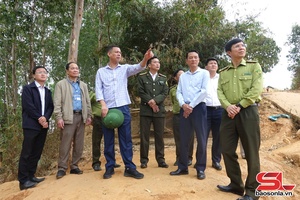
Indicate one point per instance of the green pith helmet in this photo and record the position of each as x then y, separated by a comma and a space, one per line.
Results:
113, 119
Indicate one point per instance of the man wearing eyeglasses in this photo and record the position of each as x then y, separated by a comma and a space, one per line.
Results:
37, 108
239, 88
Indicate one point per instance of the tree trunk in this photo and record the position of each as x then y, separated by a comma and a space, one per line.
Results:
31, 44
102, 7
74, 39
13, 67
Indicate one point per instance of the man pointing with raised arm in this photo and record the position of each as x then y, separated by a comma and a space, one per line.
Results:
112, 92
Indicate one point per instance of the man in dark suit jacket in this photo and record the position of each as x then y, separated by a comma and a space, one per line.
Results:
37, 108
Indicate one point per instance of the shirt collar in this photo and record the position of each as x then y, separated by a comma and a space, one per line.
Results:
108, 67
243, 63
38, 85
153, 74
70, 81
216, 76
198, 70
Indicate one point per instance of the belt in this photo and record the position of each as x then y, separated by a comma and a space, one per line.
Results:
255, 104
77, 111
213, 107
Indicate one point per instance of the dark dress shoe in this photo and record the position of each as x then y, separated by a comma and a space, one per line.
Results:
108, 173
228, 188
37, 180
143, 165
163, 165
245, 197
97, 167
200, 175
133, 173
179, 172
60, 174
117, 165
76, 171
217, 166
27, 184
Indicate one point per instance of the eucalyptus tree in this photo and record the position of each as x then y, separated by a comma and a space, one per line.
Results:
75, 31
27, 28
294, 55
102, 25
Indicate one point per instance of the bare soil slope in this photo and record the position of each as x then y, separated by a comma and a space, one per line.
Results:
279, 152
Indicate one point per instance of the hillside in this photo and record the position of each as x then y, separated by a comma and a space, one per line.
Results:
279, 152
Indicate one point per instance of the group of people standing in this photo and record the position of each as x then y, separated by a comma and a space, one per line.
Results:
203, 101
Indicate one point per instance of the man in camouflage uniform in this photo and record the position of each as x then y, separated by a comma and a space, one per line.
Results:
239, 88
153, 89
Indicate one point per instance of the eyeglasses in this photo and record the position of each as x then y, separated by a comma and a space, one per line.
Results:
41, 72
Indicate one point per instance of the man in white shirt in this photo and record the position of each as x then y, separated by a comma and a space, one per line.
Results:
214, 112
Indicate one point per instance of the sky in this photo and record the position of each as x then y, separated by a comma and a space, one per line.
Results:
278, 16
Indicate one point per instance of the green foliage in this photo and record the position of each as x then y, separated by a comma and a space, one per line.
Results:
259, 46
294, 55
31, 32
38, 32
264, 50
10, 144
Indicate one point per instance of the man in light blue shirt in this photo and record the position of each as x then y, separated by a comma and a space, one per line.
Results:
191, 93
112, 92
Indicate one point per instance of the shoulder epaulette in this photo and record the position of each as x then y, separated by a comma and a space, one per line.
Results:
251, 61
159, 74
173, 86
223, 69
143, 73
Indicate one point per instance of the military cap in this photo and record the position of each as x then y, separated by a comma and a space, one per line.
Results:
113, 119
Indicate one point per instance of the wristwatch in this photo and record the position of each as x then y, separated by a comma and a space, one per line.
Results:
239, 105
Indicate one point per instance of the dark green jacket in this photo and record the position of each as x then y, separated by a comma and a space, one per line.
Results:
149, 89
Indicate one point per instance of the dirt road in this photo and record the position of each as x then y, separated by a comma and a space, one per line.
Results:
279, 152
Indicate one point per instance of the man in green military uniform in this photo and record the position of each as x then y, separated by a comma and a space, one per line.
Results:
97, 133
239, 88
153, 89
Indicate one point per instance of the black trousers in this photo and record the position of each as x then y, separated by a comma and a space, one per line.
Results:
195, 122
176, 133
97, 135
245, 126
31, 152
214, 116
158, 125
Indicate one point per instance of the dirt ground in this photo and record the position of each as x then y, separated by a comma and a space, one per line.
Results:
279, 152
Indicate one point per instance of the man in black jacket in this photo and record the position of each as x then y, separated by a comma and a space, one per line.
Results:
37, 108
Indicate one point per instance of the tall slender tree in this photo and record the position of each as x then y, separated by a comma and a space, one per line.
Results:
294, 55
76, 26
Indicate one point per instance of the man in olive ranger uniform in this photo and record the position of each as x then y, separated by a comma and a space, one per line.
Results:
153, 89
239, 88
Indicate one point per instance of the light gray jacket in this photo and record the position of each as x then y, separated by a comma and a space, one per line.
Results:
63, 106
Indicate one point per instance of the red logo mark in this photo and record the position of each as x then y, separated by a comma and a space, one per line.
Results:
272, 181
